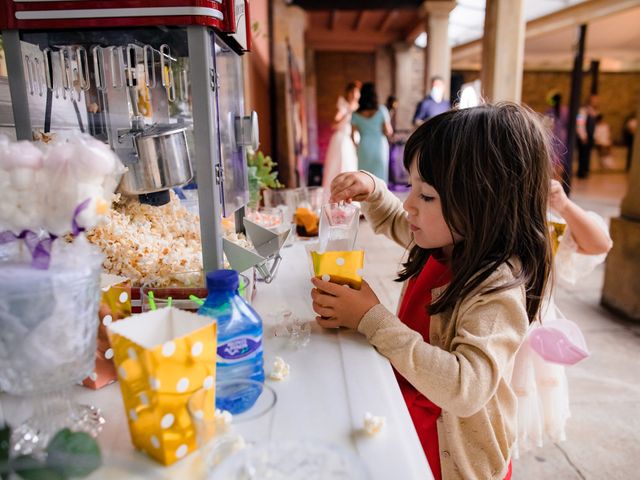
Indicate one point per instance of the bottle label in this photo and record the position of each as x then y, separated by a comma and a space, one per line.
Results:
239, 349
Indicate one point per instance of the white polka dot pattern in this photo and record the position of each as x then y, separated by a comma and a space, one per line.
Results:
168, 349
181, 451
123, 297
167, 420
182, 385
196, 349
107, 320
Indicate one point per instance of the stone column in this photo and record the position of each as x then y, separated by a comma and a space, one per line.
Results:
403, 66
503, 50
621, 291
438, 49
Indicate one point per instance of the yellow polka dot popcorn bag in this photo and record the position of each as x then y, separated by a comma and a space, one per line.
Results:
162, 357
115, 304
344, 268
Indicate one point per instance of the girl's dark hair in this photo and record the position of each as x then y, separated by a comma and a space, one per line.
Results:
368, 97
491, 168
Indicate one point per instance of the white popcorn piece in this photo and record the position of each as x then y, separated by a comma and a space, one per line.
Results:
223, 420
373, 424
280, 370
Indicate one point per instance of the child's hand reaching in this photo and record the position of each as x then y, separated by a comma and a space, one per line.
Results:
351, 186
340, 306
558, 200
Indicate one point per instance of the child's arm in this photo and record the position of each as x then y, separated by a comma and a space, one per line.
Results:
588, 235
382, 209
461, 381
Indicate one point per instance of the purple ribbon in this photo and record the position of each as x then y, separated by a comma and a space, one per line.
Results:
40, 248
75, 228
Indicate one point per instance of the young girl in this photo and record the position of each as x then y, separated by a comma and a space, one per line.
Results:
582, 242
475, 223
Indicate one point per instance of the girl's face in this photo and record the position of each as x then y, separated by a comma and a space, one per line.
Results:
424, 212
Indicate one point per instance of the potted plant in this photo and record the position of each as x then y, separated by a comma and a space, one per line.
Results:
261, 175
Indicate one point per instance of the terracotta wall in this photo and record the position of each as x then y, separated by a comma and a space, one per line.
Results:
619, 93
334, 70
257, 72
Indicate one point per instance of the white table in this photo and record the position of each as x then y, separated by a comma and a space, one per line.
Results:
334, 380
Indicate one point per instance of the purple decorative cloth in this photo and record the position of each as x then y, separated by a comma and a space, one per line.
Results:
75, 228
39, 247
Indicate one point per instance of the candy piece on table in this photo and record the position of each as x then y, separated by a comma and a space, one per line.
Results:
306, 222
280, 369
373, 424
300, 333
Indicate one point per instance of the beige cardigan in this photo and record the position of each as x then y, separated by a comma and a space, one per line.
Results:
466, 368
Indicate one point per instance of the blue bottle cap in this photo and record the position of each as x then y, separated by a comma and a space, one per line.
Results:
222, 280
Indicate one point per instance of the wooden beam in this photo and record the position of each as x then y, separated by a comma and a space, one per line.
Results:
325, 39
386, 20
359, 19
415, 29
565, 18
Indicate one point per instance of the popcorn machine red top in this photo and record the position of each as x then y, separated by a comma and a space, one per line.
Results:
160, 81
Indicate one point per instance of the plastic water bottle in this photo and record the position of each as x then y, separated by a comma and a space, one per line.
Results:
239, 342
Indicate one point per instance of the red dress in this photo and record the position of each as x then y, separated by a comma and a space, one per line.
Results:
413, 313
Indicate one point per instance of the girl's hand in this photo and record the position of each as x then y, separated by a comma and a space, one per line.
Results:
341, 306
351, 186
558, 200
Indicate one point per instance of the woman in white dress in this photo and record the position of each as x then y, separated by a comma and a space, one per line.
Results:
341, 154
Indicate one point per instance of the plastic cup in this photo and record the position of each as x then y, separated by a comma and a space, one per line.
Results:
216, 441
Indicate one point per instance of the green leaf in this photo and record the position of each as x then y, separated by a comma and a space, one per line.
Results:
5, 436
29, 467
73, 454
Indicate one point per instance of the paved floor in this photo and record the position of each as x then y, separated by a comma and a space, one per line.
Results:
604, 431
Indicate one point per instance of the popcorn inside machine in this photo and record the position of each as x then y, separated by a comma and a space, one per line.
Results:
162, 84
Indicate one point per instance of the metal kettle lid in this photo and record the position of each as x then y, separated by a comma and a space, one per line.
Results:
159, 130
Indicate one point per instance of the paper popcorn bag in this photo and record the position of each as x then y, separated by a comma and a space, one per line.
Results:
344, 268
115, 304
336, 261
162, 357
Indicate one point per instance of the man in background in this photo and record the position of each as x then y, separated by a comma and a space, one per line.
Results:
433, 104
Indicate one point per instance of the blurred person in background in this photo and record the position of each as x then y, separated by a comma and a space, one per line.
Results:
585, 129
602, 142
628, 134
558, 114
433, 104
392, 106
341, 153
373, 123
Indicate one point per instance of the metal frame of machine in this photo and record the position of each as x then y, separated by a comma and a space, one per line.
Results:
204, 20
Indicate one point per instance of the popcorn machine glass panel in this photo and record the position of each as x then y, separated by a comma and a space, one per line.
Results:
117, 84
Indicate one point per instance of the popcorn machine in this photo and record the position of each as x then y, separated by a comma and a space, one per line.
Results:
159, 81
